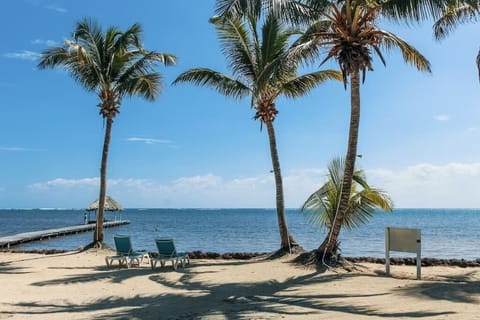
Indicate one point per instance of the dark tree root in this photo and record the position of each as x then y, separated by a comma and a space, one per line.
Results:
95, 245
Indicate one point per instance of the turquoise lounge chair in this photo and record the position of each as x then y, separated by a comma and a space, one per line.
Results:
167, 251
125, 253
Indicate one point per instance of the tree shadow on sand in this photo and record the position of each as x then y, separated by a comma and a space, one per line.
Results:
462, 289
191, 298
7, 268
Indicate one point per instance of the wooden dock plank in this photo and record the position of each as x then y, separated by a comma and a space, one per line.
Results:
20, 238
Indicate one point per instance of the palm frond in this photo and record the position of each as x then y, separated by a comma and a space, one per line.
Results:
218, 81
88, 35
412, 11
238, 8
146, 85
409, 53
274, 41
132, 37
315, 200
53, 57
74, 60
303, 84
320, 207
237, 47
144, 65
167, 59
316, 207
453, 17
276, 66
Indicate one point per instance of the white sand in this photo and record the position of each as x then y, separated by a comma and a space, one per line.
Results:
79, 286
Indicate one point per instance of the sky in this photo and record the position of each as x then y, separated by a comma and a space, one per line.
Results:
193, 148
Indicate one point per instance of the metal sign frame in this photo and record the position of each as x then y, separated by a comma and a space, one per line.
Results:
403, 240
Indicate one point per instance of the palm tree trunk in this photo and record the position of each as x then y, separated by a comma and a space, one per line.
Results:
478, 63
329, 246
98, 235
287, 240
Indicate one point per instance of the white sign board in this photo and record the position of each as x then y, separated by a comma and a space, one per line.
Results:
403, 240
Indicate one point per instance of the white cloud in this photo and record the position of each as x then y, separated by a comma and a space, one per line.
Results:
56, 8
23, 55
201, 191
149, 140
66, 183
13, 149
442, 117
19, 149
50, 43
452, 185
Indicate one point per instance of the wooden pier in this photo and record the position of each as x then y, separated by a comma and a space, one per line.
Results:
20, 238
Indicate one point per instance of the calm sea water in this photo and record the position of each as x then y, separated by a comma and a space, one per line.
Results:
446, 233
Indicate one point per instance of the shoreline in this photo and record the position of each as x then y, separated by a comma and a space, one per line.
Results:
197, 255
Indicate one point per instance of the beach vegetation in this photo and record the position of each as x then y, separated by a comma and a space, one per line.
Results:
259, 56
321, 206
113, 64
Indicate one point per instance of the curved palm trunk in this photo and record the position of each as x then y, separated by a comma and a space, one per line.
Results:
287, 240
478, 63
98, 235
329, 245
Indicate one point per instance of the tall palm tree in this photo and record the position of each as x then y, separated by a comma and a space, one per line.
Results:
455, 13
262, 69
350, 35
322, 205
113, 64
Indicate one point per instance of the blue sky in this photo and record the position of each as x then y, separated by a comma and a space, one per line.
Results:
192, 147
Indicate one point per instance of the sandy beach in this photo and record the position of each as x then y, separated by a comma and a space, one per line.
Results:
79, 286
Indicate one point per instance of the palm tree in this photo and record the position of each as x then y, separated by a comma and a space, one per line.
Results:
455, 14
321, 206
262, 69
350, 35
113, 64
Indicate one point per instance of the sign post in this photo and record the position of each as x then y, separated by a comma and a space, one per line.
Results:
403, 240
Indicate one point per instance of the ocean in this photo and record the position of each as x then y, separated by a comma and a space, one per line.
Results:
446, 233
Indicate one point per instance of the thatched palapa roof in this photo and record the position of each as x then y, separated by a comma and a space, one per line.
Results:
110, 205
